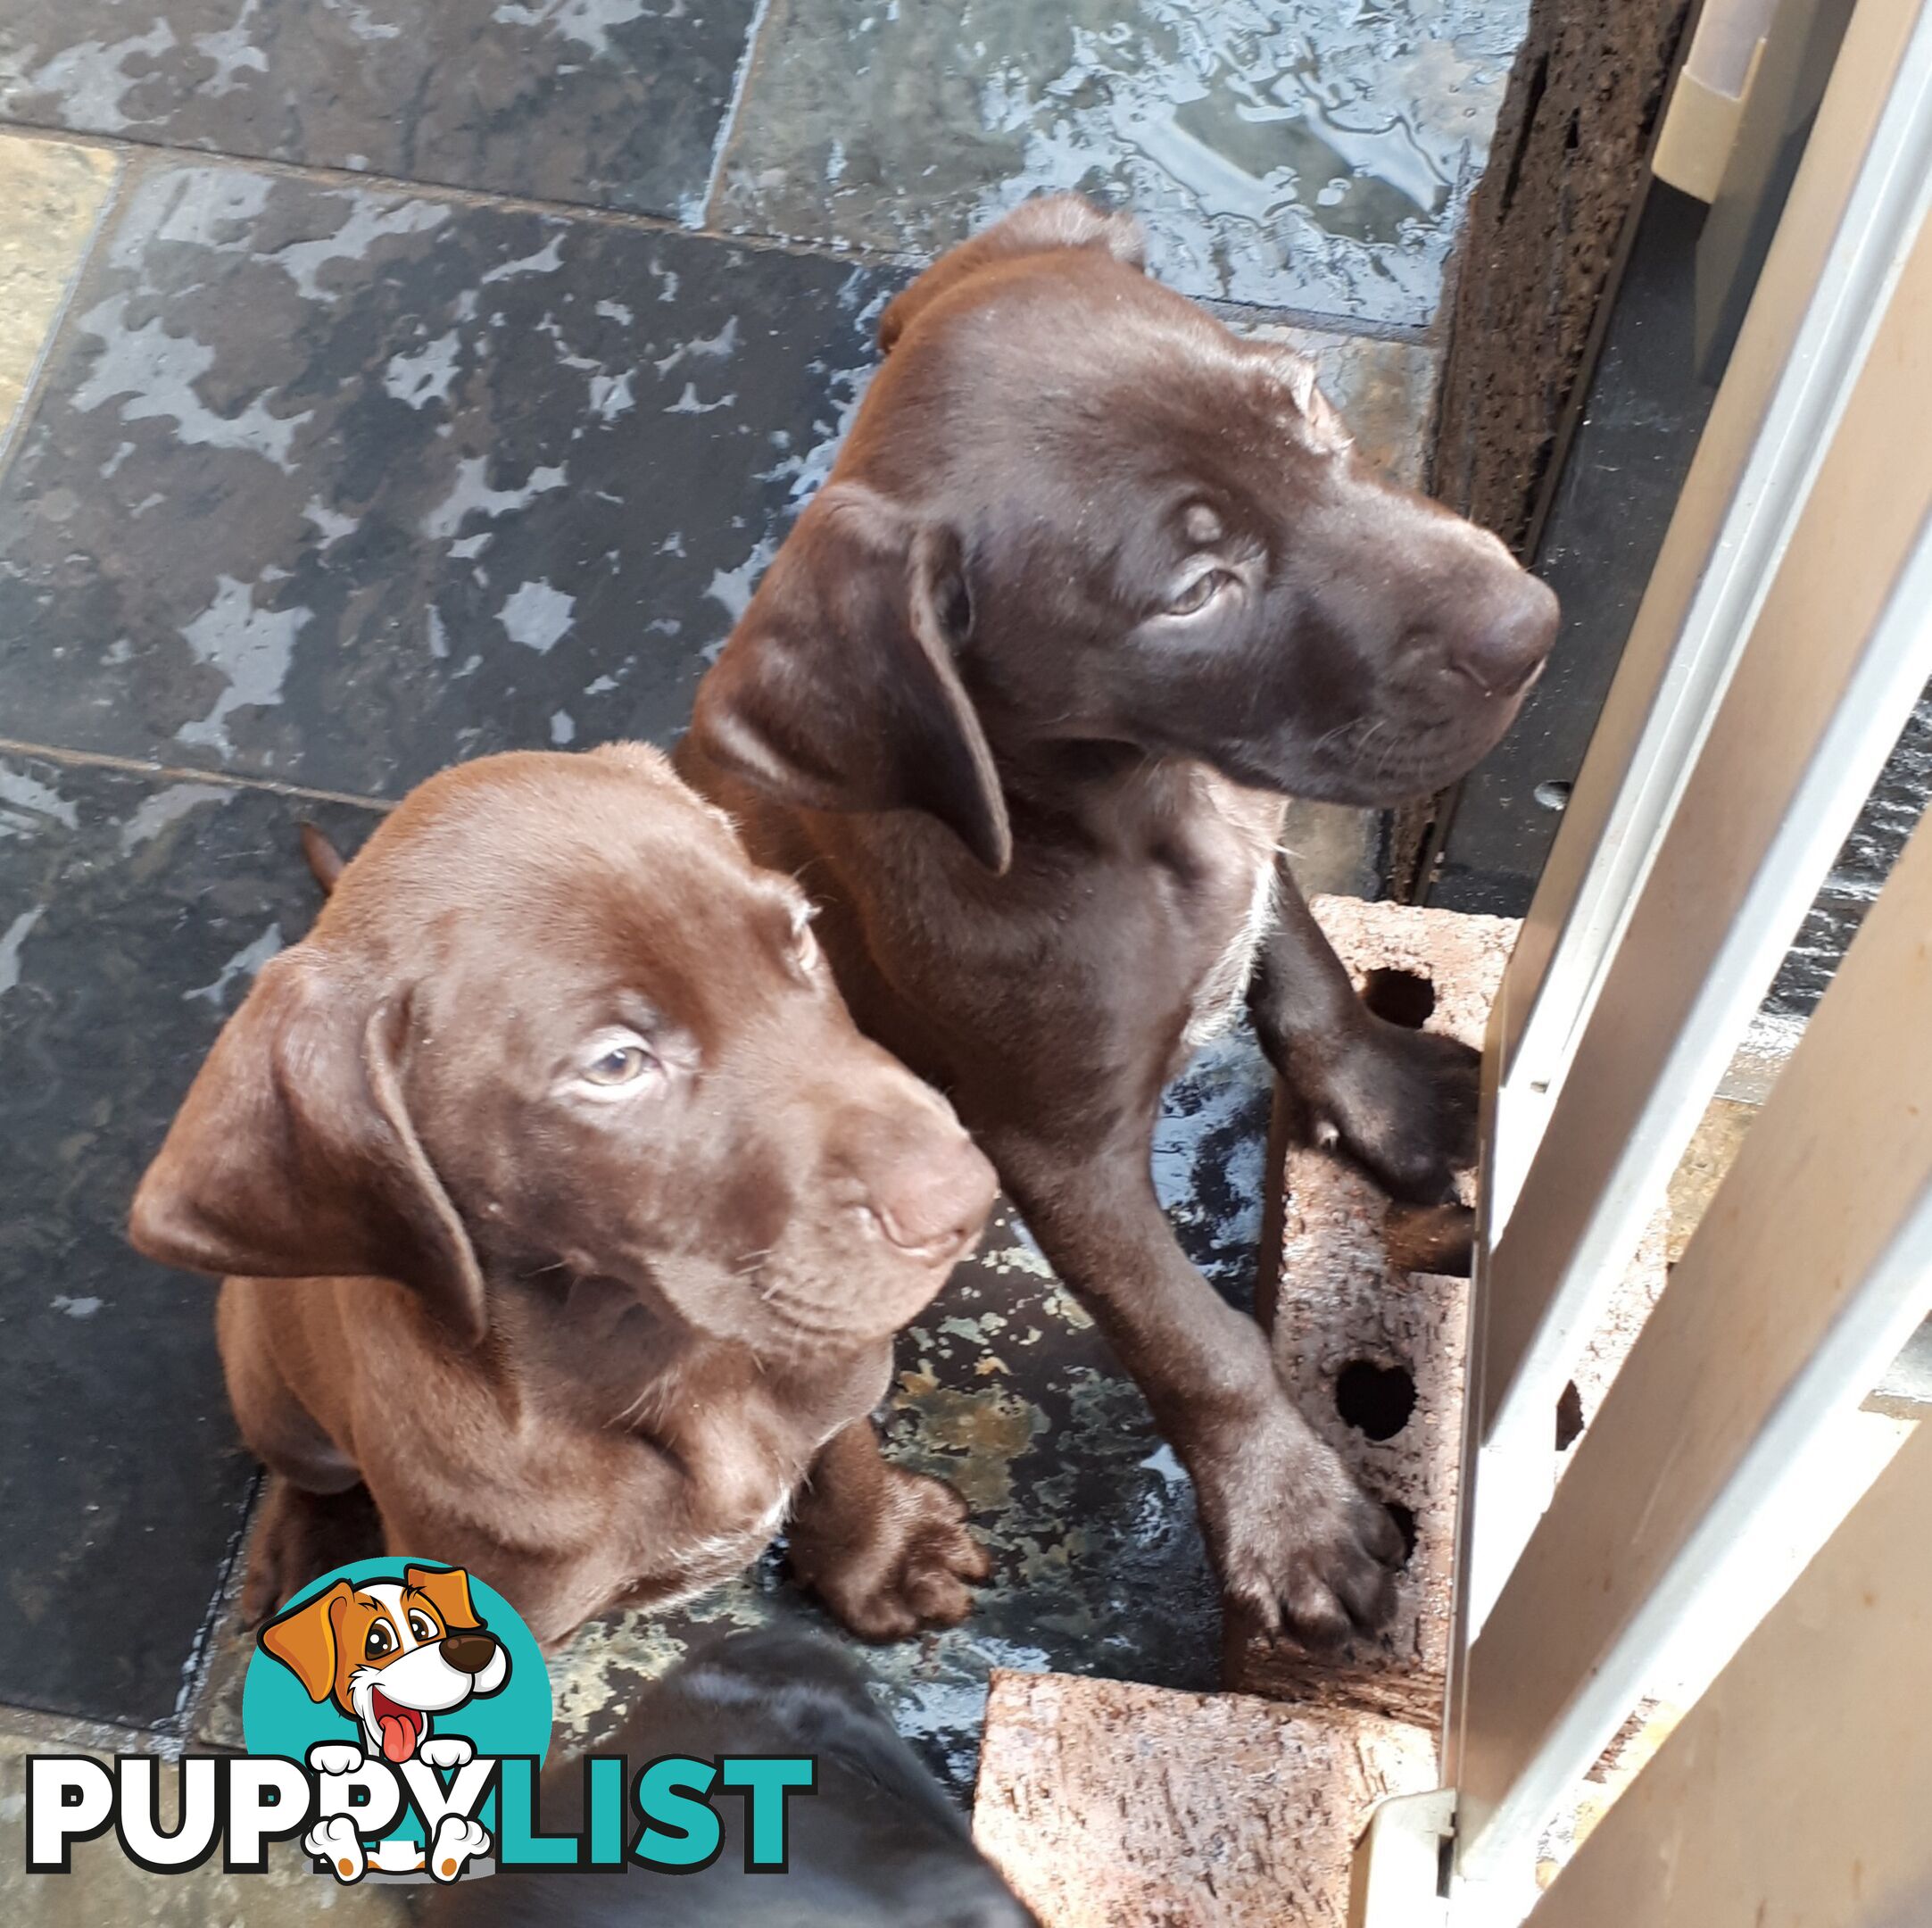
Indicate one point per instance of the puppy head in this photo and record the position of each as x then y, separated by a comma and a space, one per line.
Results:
1076, 509
553, 1021
390, 1653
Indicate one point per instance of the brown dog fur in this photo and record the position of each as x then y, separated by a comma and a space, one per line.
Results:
1093, 586
561, 1204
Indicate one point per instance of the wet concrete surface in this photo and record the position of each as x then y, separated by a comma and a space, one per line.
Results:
104, 1889
60, 192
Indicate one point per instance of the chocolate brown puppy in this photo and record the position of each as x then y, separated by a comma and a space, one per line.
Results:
1094, 586
563, 1207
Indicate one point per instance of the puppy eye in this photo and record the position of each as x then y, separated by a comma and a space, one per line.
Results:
422, 1626
805, 946
621, 1064
611, 1066
1199, 593
380, 1641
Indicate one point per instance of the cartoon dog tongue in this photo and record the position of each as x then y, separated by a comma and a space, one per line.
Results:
399, 1728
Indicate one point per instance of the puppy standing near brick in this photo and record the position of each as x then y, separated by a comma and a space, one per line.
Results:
1094, 586
561, 1205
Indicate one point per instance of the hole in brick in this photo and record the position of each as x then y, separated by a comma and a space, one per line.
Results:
1553, 794
1400, 997
1375, 1399
1405, 1519
1568, 1416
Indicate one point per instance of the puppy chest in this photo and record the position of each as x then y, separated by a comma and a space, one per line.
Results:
1242, 907
723, 1511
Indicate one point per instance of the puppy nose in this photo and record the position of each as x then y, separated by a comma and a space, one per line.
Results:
1498, 639
468, 1653
930, 1196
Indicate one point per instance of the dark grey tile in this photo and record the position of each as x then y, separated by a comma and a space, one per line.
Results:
133, 914
1292, 154
616, 103
339, 485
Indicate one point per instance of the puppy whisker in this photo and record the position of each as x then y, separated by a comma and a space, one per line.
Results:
1337, 734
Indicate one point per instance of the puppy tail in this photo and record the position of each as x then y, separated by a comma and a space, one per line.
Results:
325, 860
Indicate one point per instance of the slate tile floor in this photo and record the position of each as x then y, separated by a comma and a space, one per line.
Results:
458, 476
311, 483
1294, 154
617, 103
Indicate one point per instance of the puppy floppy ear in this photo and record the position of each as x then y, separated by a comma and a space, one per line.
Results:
838, 690
1036, 227
293, 1156
305, 1638
448, 1593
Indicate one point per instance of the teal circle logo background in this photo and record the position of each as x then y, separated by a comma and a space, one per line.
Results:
279, 1718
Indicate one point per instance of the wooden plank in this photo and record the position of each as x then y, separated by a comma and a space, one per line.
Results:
1866, 170
1838, 657
1796, 1792
1806, 1276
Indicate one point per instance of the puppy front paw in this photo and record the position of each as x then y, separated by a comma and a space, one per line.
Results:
1402, 1103
335, 1840
914, 1565
445, 1750
1300, 1547
336, 1757
457, 1841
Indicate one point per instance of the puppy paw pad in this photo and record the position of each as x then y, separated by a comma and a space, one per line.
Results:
457, 1842
336, 1842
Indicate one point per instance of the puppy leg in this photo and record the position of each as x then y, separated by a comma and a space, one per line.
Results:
299, 1535
886, 1549
1402, 1102
1295, 1540
315, 1513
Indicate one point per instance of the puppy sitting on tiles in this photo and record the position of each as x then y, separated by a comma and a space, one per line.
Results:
560, 1204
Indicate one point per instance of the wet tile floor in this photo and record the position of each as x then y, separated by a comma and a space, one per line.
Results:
385, 383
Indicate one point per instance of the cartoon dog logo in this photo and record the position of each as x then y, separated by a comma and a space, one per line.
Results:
391, 1654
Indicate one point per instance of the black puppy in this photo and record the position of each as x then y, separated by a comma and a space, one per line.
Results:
876, 1846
